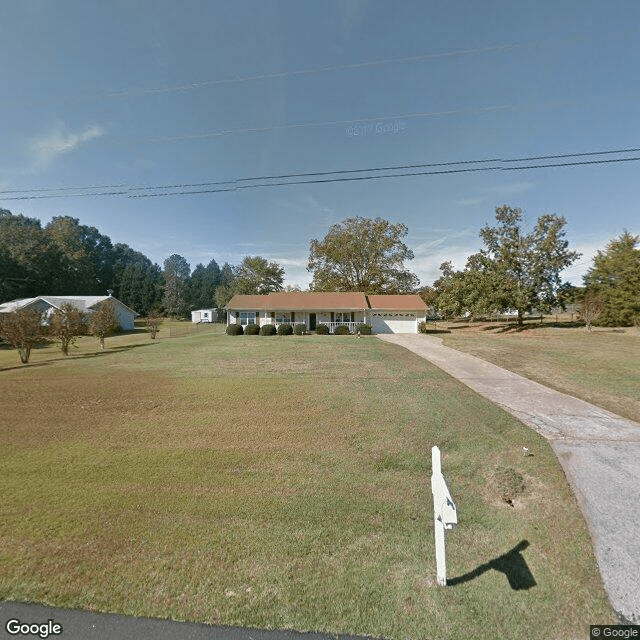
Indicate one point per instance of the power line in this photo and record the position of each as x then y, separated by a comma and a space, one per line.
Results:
339, 171
318, 177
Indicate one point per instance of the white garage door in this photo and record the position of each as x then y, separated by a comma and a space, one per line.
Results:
389, 322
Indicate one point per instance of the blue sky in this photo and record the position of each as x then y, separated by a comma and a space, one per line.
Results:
149, 94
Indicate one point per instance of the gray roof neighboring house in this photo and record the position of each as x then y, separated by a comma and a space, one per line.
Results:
83, 303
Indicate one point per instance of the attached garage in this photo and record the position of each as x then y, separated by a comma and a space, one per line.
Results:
389, 322
396, 313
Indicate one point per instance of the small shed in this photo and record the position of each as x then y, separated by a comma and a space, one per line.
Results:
204, 315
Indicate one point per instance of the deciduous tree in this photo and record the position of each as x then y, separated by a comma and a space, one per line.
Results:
591, 308
524, 268
23, 330
67, 323
256, 275
153, 325
103, 322
362, 254
86, 258
28, 259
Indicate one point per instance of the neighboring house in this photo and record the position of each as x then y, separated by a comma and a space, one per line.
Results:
204, 315
88, 304
385, 313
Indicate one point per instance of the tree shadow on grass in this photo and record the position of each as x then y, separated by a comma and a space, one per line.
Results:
28, 364
109, 351
512, 564
93, 354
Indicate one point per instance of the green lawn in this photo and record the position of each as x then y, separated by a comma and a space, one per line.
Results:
600, 367
280, 482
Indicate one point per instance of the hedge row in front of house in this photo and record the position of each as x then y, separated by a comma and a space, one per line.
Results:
287, 330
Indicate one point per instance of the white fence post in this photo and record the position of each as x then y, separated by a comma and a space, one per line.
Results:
445, 514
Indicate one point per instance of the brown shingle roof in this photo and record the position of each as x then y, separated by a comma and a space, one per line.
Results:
247, 302
300, 300
325, 300
409, 302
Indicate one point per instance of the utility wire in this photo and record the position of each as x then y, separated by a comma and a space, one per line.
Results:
319, 176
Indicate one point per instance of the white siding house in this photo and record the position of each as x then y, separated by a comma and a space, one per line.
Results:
88, 304
385, 313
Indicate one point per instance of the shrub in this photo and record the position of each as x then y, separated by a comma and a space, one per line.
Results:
364, 329
235, 330
341, 330
285, 330
322, 330
422, 327
300, 329
268, 330
509, 484
153, 325
252, 330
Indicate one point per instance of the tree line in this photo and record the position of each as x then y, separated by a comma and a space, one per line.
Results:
65, 257
517, 270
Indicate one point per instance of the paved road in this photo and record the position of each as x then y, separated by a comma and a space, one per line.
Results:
85, 625
599, 452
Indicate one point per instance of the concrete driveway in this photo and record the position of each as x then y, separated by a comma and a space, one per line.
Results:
599, 452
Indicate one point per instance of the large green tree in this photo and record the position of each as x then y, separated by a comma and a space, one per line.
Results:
472, 290
86, 258
362, 254
524, 268
28, 260
615, 277
256, 275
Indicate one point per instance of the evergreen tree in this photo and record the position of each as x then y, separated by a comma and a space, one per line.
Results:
615, 277
176, 285
202, 286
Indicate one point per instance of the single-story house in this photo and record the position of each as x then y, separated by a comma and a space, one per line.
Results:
385, 313
48, 304
204, 315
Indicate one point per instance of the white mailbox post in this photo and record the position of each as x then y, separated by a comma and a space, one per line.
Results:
445, 513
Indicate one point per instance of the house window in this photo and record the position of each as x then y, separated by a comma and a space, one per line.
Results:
283, 316
247, 317
343, 316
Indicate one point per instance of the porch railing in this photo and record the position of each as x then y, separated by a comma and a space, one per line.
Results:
332, 325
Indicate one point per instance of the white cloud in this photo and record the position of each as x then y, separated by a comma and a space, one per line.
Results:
59, 141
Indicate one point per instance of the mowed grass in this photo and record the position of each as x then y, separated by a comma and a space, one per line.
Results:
280, 482
601, 367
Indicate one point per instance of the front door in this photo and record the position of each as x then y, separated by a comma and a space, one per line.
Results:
312, 322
